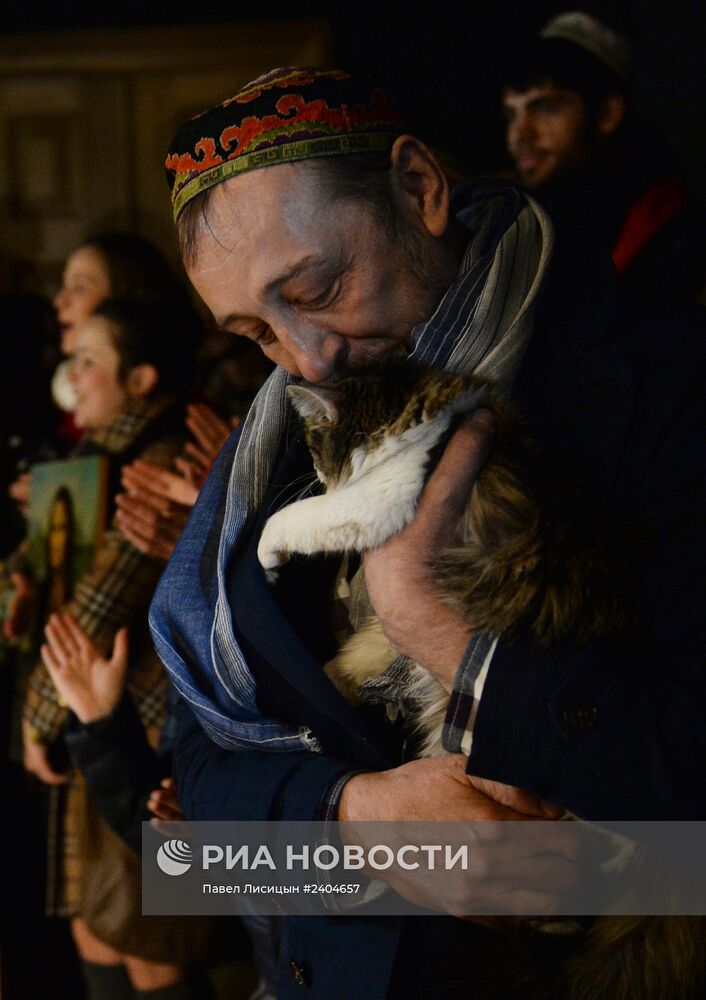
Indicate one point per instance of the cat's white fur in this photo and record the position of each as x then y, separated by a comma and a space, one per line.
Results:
375, 502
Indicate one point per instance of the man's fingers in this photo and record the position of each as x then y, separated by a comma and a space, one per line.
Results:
516, 798
459, 466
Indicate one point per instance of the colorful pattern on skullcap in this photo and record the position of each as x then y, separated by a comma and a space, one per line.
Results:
286, 115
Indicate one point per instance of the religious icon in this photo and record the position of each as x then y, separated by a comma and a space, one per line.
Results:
66, 517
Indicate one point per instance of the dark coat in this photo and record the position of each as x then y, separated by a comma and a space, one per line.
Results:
613, 730
120, 767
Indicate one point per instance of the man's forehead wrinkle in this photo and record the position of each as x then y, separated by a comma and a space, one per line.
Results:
227, 223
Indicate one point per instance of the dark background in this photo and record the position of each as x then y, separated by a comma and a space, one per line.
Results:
447, 59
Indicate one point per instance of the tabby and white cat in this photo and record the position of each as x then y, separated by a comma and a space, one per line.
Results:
518, 561
525, 559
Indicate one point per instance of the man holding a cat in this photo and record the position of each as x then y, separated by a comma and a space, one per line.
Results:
313, 224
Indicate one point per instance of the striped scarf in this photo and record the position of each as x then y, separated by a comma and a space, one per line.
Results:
482, 324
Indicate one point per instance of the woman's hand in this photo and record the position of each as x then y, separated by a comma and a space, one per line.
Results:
21, 607
155, 508
141, 478
36, 758
209, 431
89, 684
164, 803
19, 490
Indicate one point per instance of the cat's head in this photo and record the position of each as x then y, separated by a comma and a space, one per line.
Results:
353, 418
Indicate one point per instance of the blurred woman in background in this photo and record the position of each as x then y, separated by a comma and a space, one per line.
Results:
131, 366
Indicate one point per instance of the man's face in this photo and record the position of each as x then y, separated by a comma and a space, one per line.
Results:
317, 283
547, 133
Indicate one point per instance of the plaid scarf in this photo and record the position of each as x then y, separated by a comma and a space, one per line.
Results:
482, 324
122, 432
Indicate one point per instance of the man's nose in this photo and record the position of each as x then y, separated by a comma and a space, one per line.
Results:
520, 130
318, 354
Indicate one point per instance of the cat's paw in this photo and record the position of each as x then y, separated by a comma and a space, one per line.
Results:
272, 576
272, 552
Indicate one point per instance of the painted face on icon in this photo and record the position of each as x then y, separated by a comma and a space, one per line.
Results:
59, 532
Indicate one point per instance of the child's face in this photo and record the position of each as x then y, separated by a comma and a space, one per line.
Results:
101, 397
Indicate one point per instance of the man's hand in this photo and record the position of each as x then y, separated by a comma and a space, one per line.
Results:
515, 867
89, 684
436, 788
36, 758
414, 617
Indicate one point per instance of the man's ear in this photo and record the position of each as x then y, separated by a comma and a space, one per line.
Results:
611, 114
142, 380
422, 182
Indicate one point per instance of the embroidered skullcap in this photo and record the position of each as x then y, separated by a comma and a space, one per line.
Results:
284, 116
593, 36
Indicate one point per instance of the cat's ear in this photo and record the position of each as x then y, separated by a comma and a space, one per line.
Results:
318, 403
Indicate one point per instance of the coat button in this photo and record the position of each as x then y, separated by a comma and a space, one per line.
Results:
297, 974
581, 716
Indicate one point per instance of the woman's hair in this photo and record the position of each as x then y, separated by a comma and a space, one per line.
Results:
156, 333
136, 268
